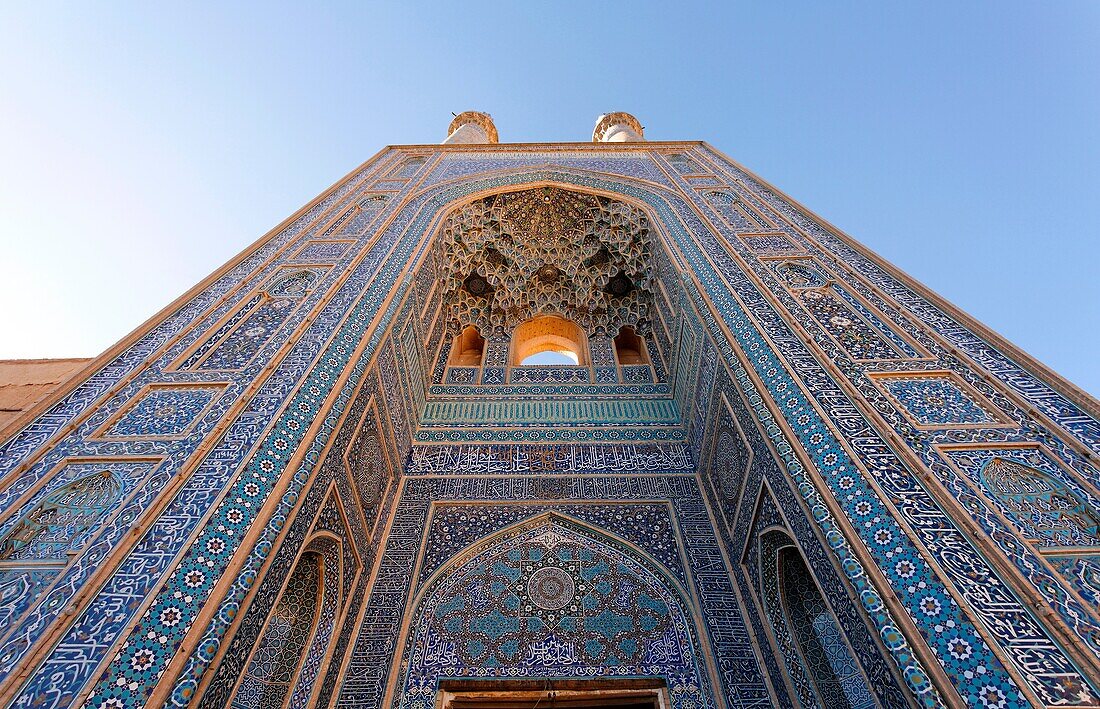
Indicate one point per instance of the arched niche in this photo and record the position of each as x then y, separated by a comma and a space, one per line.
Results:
1045, 508
629, 347
468, 348
820, 665
289, 656
294, 285
57, 524
549, 333
329, 549
551, 597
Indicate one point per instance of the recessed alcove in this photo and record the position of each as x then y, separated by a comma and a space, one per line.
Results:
468, 348
629, 347
549, 277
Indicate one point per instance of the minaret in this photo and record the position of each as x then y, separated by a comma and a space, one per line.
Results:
617, 127
472, 127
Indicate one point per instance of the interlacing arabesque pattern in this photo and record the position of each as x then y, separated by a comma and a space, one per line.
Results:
753, 511
960, 408
827, 452
1046, 507
552, 598
829, 457
360, 303
916, 679
870, 599
1050, 402
647, 525
124, 489
94, 630
367, 673
59, 677
1056, 680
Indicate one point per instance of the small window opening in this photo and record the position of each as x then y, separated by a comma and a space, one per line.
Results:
629, 347
551, 357
468, 348
549, 340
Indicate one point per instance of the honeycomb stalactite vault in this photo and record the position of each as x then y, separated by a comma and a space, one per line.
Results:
779, 473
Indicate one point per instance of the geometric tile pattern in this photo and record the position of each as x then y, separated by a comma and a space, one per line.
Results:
938, 401
366, 676
164, 412
833, 670
274, 666
637, 373
322, 251
765, 569
549, 599
321, 638
144, 680
859, 338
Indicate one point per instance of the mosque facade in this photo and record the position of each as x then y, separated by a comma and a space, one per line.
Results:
613, 423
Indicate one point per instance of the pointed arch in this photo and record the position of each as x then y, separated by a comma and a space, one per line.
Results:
330, 549
822, 668
60, 521
294, 284
800, 274
552, 597
291, 652
1043, 507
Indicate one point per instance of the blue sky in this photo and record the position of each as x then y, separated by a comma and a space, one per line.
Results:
142, 146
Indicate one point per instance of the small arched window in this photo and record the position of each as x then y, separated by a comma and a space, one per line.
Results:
468, 348
549, 339
629, 347
56, 524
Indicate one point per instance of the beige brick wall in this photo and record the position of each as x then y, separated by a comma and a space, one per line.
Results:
24, 382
